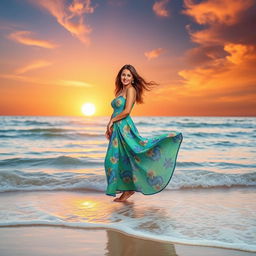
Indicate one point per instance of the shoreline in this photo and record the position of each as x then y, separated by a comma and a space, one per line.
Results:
85, 211
104, 240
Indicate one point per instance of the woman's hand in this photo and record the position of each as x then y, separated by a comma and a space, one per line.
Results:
109, 130
107, 135
110, 127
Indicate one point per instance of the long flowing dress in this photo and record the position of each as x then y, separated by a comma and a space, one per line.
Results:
137, 163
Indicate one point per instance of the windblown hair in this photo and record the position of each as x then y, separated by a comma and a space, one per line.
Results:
139, 83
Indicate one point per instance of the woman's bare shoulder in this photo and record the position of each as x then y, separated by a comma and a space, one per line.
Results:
131, 90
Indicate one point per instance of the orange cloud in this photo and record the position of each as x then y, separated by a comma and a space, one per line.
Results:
70, 16
216, 11
220, 87
232, 75
37, 80
240, 53
160, 8
204, 54
18, 78
154, 53
73, 83
226, 21
24, 37
35, 65
220, 77
209, 36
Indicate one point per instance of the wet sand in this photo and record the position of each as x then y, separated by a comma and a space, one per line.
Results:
45, 241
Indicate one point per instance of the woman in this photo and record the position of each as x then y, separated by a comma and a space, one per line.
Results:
132, 162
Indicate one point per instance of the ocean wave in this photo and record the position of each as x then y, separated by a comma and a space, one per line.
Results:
91, 123
190, 164
35, 130
6, 136
48, 133
13, 121
209, 125
33, 122
219, 134
57, 162
22, 181
74, 136
143, 123
198, 124
207, 179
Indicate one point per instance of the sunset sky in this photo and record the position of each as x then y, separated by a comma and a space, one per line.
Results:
57, 55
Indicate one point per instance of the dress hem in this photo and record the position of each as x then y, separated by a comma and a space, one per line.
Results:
166, 183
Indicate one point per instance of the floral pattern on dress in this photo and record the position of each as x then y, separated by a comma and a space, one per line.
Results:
110, 175
126, 176
154, 153
115, 142
143, 142
168, 163
118, 102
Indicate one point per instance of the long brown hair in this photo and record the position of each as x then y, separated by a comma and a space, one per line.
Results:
139, 83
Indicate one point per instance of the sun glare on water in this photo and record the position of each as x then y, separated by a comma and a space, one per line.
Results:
88, 109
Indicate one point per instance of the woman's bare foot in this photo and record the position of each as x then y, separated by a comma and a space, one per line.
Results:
124, 196
118, 198
121, 197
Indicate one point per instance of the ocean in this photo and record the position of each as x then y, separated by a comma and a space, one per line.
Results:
52, 173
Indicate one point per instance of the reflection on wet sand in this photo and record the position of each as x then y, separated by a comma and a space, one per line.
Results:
120, 244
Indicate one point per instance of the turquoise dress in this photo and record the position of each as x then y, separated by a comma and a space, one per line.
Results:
133, 162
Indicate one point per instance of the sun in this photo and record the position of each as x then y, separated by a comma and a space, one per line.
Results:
88, 109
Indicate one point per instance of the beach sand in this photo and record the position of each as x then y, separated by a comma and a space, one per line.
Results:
43, 240
77, 223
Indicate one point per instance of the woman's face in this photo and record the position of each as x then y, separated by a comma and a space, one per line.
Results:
126, 77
